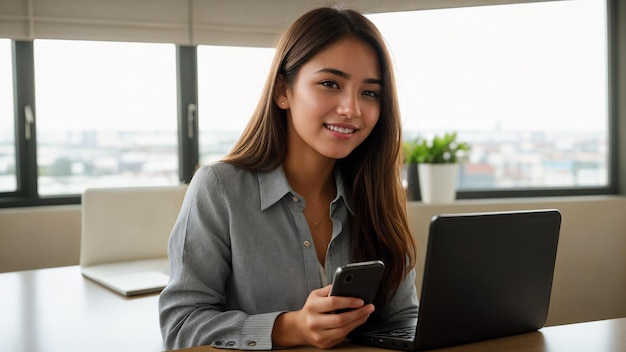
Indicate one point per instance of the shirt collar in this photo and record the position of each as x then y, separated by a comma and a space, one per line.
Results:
273, 186
342, 192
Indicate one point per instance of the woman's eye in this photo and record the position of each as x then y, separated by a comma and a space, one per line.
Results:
371, 93
330, 84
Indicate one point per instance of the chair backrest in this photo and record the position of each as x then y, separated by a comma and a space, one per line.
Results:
128, 223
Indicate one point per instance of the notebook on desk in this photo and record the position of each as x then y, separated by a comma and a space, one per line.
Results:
124, 236
486, 275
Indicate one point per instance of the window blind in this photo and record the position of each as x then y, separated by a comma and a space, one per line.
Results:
185, 22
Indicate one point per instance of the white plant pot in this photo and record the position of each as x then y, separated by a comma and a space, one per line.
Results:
438, 182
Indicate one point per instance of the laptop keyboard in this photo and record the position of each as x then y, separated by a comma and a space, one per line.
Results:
401, 333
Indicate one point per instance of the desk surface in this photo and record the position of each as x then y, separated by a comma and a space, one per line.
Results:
596, 336
58, 310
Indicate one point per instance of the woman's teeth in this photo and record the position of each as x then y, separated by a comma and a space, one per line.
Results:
340, 129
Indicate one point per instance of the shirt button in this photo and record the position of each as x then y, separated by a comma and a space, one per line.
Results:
252, 343
295, 199
307, 243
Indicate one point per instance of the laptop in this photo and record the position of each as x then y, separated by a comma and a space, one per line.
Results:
124, 236
486, 275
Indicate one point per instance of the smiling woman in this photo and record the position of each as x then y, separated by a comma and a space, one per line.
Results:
312, 184
331, 110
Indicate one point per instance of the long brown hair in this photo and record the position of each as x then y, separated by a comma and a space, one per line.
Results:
380, 227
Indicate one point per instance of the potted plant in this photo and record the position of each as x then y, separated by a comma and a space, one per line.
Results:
410, 178
437, 165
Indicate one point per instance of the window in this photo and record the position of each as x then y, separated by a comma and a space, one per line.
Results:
106, 115
525, 84
230, 80
8, 179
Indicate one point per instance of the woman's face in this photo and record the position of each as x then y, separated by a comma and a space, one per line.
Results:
334, 102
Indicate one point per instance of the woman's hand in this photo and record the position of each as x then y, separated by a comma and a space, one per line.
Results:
316, 325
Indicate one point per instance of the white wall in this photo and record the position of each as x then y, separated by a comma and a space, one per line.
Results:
589, 281
39, 237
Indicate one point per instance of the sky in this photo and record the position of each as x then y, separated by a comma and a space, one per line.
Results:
523, 66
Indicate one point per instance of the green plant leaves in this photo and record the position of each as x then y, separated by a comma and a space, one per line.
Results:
441, 150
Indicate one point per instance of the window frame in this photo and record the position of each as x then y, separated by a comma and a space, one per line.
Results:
26, 150
613, 83
187, 95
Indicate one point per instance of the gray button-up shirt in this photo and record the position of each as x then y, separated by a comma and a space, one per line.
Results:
241, 253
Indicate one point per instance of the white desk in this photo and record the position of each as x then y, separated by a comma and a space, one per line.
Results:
596, 336
56, 309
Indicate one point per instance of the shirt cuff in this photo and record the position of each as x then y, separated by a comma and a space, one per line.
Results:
256, 333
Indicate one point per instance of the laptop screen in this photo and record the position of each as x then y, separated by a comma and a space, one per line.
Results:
486, 275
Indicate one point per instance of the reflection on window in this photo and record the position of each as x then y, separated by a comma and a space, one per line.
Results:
106, 115
526, 84
230, 80
8, 180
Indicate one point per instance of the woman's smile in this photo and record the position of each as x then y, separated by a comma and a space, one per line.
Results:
340, 129
334, 102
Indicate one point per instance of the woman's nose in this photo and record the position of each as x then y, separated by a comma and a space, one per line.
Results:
349, 105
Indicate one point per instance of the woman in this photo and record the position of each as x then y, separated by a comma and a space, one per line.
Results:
312, 184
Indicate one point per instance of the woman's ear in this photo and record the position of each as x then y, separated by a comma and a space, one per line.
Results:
280, 93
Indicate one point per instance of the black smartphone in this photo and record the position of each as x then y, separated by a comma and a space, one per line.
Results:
358, 280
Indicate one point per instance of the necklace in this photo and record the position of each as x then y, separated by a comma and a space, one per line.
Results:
316, 224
